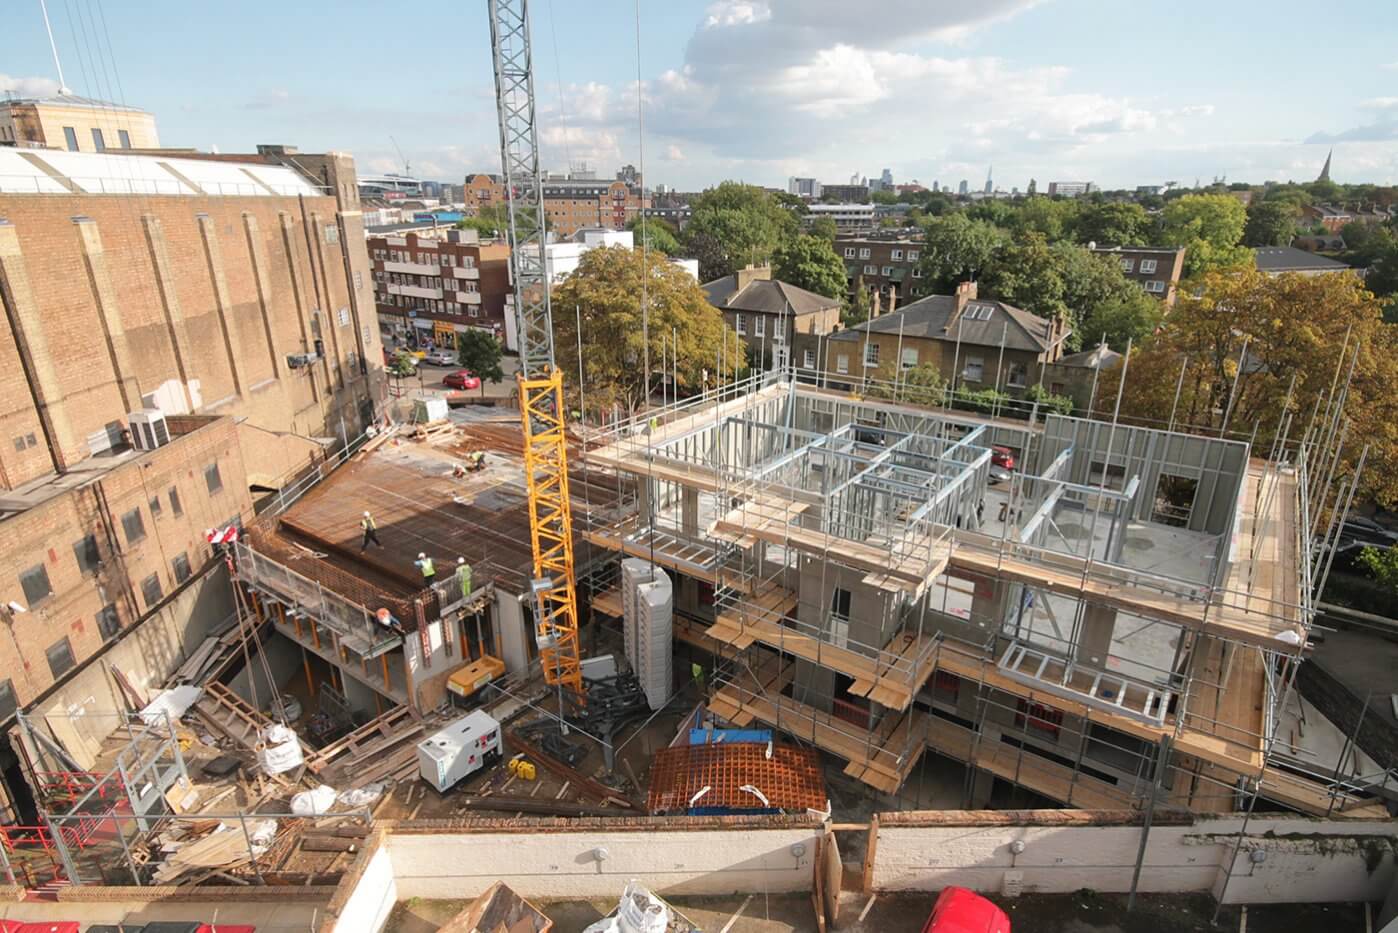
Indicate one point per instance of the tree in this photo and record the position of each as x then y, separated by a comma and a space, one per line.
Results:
1029, 274
1210, 228
958, 248
479, 352
824, 227
656, 233
1049, 402
735, 225
1295, 326
810, 262
1052, 217
1113, 223
1269, 223
921, 385
606, 288
857, 306
1122, 318
1382, 564
402, 365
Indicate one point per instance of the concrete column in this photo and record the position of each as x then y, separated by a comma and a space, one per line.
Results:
689, 511
222, 304
1095, 635
170, 304
104, 296
33, 346
288, 226
988, 603
264, 287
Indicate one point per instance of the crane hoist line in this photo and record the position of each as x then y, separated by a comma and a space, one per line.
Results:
540, 381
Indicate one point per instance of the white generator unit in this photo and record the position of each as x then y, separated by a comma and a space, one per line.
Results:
462, 748
148, 429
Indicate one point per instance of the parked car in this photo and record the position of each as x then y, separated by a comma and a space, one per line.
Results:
1002, 457
959, 910
999, 474
461, 379
440, 357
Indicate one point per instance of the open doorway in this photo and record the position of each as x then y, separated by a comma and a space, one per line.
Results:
1174, 500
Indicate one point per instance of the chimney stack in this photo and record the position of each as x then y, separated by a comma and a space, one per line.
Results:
965, 292
751, 273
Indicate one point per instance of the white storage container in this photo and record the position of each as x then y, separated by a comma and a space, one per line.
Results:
462, 748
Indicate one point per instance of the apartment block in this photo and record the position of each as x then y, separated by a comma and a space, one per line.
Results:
482, 190
1155, 269
431, 287
574, 204
75, 124
849, 217
889, 266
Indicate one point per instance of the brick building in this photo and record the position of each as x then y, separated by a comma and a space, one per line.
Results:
434, 287
574, 204
482, 190
888, 265
1156, 269
74, 123
780, 323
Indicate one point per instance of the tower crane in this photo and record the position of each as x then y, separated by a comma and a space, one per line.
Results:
542, 411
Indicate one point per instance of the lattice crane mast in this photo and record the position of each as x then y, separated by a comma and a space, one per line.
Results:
540, 380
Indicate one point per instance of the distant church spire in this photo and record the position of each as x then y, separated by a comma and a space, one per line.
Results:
1325, 172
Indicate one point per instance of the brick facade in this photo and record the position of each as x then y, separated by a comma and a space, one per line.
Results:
430, 286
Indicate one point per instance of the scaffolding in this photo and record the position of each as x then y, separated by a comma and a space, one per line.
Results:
1117, 624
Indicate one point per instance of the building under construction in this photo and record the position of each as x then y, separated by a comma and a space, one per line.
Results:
1117, 620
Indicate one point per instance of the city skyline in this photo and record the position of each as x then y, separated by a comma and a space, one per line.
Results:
757, 91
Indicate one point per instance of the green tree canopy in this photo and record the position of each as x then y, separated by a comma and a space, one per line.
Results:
958, 248
606, 288
1113, 223
1269, 223
1122, 318
1053, 217
735, 225
1029, 275
1210, 228
810, 262
480, 353
857, 306
658, 234
824, 227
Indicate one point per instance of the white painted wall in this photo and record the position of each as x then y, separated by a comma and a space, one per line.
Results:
563, 863
1305, 860
368, 906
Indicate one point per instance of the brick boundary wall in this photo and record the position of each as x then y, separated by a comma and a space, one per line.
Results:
198, 893
1342, 707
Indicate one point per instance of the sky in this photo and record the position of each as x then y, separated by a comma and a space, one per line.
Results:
759, 90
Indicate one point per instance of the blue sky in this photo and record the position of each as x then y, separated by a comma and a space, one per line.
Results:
761, 89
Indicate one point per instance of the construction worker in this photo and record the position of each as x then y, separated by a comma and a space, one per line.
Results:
370, 531
424, 563
463, 575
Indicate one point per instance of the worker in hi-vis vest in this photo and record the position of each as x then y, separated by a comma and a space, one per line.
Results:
463, 574
424, 563
371, 532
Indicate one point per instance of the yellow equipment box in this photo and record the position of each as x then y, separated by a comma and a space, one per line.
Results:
465, 681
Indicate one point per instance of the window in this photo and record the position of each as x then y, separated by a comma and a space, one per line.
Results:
1018, 373
974, 369
871, 270
125, 138
917, 272
887, 270
912, 255
1155, 286
849, 252
60, 655
1127, 265
8, 703
842, 363
332, 233
180, 565
909, 357
740, 323
896, 255
212, 477
85, 550
980, 312
1147, 266
151, 591
175, 507
759, 325
108, 623
70, 136
35, 583
133, 526
808, 359
154, 506
358, 280
344, 316
871, 354
864, 253
98, 142
839, 603
1040, 718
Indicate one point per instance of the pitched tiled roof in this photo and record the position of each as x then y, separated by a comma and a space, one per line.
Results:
982, 323
774, 297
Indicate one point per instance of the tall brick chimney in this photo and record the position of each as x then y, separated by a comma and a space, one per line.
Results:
965, 292
751, 273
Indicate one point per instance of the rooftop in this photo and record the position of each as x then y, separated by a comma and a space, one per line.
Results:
72, 100
980, 322
52, 171
1101, 357
765, 295
1291, 259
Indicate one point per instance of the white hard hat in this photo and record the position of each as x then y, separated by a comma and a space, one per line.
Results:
461, 560
421, 555
366, 513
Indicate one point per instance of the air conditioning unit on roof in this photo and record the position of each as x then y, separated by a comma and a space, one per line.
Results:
148, 429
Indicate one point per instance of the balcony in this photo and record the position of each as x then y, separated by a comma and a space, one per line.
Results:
412, 268
466, 272
466, 298
415, 291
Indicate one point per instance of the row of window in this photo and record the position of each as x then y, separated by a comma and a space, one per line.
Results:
759, 324
888, 270
1146, 267
895, 255
973, 369
449, 260
70, 136
427, 304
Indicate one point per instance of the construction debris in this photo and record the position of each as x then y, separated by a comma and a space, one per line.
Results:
499, 910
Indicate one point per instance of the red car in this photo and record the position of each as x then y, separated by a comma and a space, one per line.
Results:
961, 911
461, 379
1002, 457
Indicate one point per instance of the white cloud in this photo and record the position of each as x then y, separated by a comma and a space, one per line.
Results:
674, 153
28, 87
735, 13
1391, 66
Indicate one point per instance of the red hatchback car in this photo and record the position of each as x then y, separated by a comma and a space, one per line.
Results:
1002, 457
461, 379
961, 911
